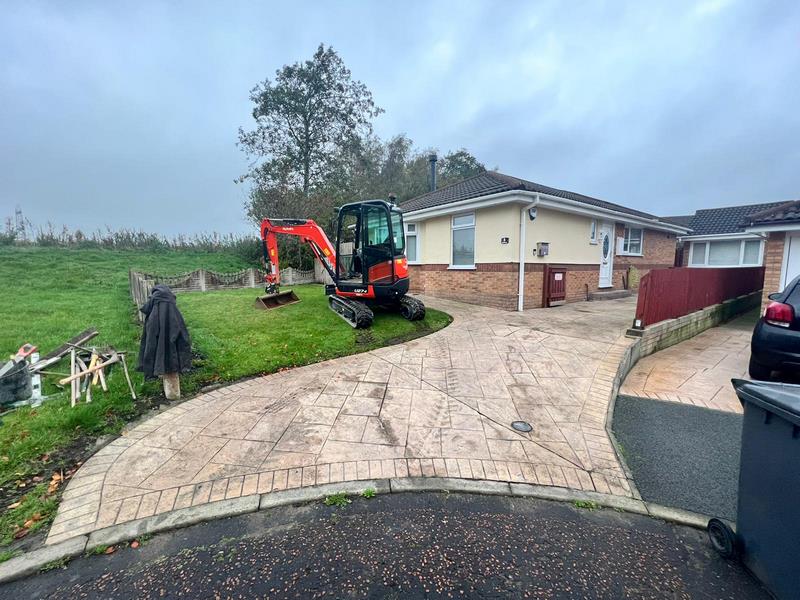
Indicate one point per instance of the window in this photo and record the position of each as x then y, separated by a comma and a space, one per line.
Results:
398, 239
698, 253
752, 253
632, 242
725, 253
593, 232
463, 241
412, 243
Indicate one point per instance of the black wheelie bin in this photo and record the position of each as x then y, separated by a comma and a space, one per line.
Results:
767, 538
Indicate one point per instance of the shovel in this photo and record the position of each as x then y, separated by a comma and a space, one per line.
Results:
271, 301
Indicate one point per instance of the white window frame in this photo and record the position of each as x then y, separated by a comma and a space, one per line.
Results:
593, 231
626, 240
454, 227
415, 234
704, 264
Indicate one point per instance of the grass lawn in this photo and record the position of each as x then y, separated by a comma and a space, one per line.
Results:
51, 294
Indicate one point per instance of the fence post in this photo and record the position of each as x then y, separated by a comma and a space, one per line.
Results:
252, 277
202, 276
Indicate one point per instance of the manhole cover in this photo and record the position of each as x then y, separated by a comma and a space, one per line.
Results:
522, 426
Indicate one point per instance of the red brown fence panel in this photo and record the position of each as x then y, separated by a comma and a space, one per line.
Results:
671, 293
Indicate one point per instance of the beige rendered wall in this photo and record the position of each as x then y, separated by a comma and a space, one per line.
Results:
491, 224
435, 241
568, 235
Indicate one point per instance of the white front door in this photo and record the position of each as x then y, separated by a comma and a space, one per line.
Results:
791, 259
606, 243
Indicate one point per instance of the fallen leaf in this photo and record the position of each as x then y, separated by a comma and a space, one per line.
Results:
28, 523
13, 506
37, 478
56, 476
135, 544
110, 550
20, 533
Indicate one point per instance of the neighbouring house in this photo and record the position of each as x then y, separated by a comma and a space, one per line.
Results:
718, 237
779, 226
505, 242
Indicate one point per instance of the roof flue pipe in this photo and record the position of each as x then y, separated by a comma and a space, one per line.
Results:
432, 158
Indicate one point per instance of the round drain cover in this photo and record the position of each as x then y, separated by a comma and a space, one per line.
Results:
522, 426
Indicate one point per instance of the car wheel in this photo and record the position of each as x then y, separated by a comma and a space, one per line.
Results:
722, 538
759, 371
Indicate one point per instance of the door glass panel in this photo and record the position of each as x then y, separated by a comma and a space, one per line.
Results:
348, 260
606, 245
377, 249
397, 233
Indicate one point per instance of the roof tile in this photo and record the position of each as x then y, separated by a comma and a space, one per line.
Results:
492, 182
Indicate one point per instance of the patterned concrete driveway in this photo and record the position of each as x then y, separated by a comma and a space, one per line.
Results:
699, 370
438, 406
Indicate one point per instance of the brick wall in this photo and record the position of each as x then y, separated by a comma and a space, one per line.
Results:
773, 262
496, 284
489, 284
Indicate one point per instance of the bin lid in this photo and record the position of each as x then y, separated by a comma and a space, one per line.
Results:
782, 399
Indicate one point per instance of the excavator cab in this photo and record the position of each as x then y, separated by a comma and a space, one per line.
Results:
370, 251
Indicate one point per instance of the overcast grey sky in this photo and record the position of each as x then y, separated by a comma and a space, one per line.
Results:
126, 113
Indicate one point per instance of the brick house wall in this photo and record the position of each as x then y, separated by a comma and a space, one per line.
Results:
496, 284
773, 262
659, 253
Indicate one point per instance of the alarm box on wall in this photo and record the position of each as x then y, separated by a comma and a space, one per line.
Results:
542, 248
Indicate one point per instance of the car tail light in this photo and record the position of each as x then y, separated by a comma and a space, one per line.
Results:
779, 314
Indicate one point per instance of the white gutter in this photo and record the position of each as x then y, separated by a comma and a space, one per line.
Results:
769, 228
521, 279
718, 236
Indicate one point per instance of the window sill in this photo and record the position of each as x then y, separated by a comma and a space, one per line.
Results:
461, 268
593, 242
630, 254
414, 263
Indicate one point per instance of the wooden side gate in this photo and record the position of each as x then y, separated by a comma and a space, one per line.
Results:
554, 286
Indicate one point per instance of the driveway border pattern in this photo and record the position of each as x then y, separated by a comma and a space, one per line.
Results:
82, 511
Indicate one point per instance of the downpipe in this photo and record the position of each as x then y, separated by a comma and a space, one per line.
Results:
523, 216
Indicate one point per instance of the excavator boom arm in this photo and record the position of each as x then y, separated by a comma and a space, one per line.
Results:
308, 232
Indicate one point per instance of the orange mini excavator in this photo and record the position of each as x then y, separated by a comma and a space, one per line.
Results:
368, 266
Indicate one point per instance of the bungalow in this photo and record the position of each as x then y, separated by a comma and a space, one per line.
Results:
718, 237
505, 242
779, 226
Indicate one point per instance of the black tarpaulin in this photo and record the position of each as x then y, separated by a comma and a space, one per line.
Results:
165, 346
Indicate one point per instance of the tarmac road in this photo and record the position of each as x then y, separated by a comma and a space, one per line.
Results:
681, 455
409, 546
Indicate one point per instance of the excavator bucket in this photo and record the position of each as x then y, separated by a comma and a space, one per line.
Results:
271, 301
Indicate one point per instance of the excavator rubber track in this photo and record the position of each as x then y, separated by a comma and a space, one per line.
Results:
356, 313
411, 308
